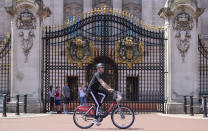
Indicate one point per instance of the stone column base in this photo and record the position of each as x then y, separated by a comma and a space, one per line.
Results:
178, 108
31, 108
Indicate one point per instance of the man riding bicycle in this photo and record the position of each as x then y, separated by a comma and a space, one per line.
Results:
95, 89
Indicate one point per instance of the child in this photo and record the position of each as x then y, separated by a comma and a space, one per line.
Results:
58, 100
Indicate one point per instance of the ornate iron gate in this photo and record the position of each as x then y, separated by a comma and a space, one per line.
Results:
132, 52
203, 50
5, 46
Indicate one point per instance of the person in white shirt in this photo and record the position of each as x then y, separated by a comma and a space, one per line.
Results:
52, 94
82, 93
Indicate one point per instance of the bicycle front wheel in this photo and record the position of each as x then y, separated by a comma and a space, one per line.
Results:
122, 117
82, 119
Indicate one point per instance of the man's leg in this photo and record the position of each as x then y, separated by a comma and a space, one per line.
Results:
104, 96
94, 97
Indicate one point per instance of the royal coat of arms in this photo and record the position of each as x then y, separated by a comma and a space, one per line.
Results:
129, 52
79, 51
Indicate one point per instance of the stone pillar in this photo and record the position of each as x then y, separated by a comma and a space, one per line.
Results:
181, 25
87, 5
117, 4
26, 28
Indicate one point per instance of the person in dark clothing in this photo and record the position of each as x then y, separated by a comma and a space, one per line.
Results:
96, 88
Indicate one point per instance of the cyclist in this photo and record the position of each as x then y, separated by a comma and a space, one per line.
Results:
96, 88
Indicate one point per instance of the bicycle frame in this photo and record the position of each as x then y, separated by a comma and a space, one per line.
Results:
89, 109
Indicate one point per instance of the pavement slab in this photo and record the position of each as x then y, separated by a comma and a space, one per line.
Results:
143, 122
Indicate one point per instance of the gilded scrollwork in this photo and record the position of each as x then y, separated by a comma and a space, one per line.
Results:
26, 23
183, 24
79, 51
27, 42
26, 20
129, 52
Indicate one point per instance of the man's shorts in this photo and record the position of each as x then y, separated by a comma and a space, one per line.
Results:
58, 102
66, 100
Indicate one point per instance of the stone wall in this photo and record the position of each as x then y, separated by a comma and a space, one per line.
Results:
149, 10
203, 21
5, 20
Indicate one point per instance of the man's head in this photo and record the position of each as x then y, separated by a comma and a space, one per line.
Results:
100, 67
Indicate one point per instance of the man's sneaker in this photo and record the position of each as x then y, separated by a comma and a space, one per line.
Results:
96, 121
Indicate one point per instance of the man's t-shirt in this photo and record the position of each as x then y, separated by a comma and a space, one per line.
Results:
66, 91
94, 83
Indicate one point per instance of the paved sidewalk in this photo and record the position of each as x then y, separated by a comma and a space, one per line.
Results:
143, 122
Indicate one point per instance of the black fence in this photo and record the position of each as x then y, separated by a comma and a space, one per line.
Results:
203, 55
5, 56
133, 54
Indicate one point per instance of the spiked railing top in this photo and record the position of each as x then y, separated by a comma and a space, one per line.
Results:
111, 11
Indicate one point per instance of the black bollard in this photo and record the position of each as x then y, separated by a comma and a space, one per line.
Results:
4, 106
205, 106
191, 106
25, 103
185, 105
17, 105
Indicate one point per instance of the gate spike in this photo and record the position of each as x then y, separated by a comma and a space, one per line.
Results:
200, 36
156, 28
129, 15
159, 28
163, 28
88, 13
92, 12
8, 35
111, 11
123, 13
101, 10
56, 26
74, 19
52, 27
98, 10
132, 18
153, 28
95, 10
120, 13
116, 12
104, 9
126, 14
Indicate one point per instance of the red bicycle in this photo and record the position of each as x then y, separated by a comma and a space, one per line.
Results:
121, 116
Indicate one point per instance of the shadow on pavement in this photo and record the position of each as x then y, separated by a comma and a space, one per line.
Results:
117, 129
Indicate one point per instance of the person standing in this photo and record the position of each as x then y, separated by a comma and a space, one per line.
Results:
66, 97
82, 93
52, 94
58, 100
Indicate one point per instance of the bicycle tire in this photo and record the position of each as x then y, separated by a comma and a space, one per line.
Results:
83, 114
117, 110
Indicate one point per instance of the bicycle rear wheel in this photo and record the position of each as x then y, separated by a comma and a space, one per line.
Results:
82, 119
122, 117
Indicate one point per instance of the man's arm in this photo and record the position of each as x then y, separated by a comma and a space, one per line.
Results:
63, 93
105, 85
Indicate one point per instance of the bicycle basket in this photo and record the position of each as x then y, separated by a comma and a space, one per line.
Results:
117, 96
